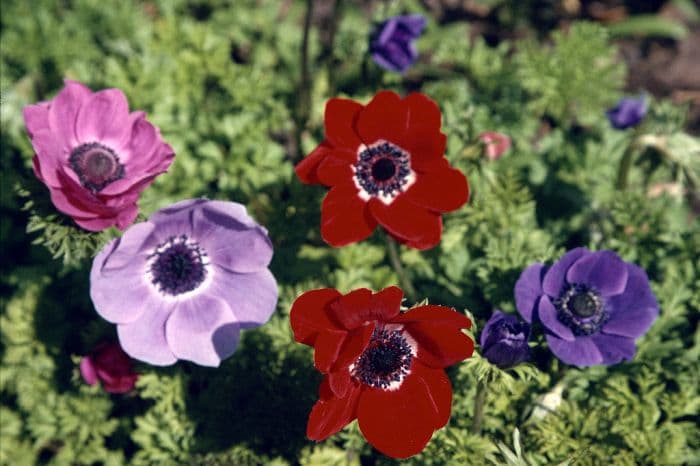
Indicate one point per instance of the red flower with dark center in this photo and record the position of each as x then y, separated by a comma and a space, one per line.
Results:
385, 165
383, 367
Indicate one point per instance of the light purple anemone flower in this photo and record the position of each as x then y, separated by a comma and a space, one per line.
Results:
392, 44
93, 155
184, 283
593, 305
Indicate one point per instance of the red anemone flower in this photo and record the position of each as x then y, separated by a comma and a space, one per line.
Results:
381, 366
384, 164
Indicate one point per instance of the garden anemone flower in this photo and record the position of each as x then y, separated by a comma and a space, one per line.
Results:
495, 144
391, 42
504, 340
109, 365
93, 155
183, 284
628, 112
593, 305
385, 164
381, 366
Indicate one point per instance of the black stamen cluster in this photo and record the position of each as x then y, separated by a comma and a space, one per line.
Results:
178, 266
96, 166
387, 359
383, 168
581, 309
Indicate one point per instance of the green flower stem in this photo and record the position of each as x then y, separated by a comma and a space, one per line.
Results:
626, 162
304, 94
395, 260
479, 401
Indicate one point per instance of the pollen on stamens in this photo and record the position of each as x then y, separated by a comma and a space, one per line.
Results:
581, 309
386, 361
383, 170
177, 266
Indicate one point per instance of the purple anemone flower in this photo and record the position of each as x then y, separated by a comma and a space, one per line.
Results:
391, 42
93, 155
184, 283
628, 112
504, 340
593, 305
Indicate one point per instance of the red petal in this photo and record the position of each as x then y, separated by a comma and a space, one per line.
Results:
339, 120
399, 423
382, 306
306, 170
440, 345
408, 222
329, 416
423, 112
336, 168
440, 390
326, 348
385, 117
354, 345
309, 316
340, 382
345, 218
427, 150
442, 191
432, 313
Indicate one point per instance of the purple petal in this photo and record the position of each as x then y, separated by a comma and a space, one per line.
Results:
547, 314
581, 352
495, 318
413, 23
50, 156
144, 339
202, 330
36, 117
387, 30
528, 289
554, 280
136, 241
104, 117
633, 311
87, 370
603, 270
229, 214
504, 355
64, 110
628, 112
251, 296
614, 349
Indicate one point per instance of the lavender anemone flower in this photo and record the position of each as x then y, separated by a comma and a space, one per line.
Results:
504, 340
628, 112
93, 155
391, 42
184, 283
592, 305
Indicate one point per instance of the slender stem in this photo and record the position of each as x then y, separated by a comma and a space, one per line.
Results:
626, 162
479, 401
395, 260
304, 102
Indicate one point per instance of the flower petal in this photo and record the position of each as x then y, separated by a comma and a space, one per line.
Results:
398, 423
330, 415
384, 118
202, 330
633, 311
244, 251
306, 169
49, 158
423, 111
547, 314
104, 117
433, 314
326, 348
87, 370
408, 221
345, 218
603, 270
440, 191
36, 117
360, 306
581, 352
340, 382
63, 112
614, 348
528, 289
252, 297
144, 338
440, 345
309, 314
440, 390
354, 345
427, 150
337, 168
339, 121
554, 281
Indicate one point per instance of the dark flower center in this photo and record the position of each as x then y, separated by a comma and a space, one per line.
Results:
383, 169
582, 309
96, 165
178, 266
386, 359
512, 333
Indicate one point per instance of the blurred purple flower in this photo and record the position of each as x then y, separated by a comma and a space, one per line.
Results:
628, 112
184, 283
391, 42
504, 340
93, 155
109, 365
592, 305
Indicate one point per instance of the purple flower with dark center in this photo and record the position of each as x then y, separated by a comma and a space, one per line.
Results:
593, 305
628, 112
94, 155
504, 340
391, 42
184, 283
